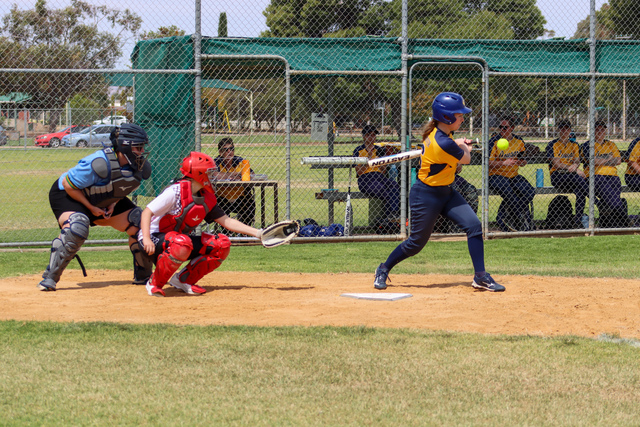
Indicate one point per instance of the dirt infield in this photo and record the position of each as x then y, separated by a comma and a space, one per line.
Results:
531, 305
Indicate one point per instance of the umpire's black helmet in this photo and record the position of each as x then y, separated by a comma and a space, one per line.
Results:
129, 135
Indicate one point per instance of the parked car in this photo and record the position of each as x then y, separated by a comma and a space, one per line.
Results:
111, 120
53, 139
3, 136
94, 136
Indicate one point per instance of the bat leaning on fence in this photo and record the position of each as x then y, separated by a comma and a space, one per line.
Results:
348, 210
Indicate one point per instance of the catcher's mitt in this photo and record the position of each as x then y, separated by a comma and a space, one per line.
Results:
279, 233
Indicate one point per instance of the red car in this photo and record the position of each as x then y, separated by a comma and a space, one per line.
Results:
53, 139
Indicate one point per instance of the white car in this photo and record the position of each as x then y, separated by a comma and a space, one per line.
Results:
111, 120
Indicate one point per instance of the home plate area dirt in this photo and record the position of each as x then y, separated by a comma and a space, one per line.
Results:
531, 305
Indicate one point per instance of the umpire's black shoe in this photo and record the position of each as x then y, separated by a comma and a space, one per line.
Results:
382, 274
487, 283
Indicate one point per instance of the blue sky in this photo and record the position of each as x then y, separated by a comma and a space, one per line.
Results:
245, 17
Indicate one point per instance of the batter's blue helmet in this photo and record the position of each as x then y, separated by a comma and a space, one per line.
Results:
446, 105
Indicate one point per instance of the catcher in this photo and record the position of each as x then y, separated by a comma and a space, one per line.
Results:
167, 223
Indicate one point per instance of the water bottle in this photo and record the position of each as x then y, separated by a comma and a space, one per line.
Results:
246, 171
585, 220
393, 172
539, 178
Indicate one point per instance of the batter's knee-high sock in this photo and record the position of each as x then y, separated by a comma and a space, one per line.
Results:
476, 250
395, 257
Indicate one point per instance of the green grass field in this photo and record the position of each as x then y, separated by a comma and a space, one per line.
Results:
120, 374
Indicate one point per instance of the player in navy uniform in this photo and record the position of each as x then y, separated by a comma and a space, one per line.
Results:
607, 183
564, 167
372, 180
432, 195
94, 192
504, 178
168, 221
632, 175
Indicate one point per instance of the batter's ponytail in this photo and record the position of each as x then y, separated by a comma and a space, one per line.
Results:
428, 128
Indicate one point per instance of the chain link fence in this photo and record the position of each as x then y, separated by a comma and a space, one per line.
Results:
260, 85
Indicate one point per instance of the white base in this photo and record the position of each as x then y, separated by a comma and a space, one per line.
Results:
378, 296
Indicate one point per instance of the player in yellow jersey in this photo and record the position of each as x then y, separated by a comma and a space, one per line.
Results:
432, 195
564, 167
632, 175
607, 184
516, 192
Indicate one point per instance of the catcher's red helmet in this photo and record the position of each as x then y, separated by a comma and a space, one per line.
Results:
201, 168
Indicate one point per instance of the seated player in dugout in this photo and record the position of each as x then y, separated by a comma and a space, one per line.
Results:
607, 184
516, 192
563, 154
94, 192
373, 181
234, 199
632, 175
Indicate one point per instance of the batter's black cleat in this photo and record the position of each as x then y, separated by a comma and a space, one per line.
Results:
486, 283
382, 275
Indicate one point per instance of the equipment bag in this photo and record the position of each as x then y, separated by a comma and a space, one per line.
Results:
560, 214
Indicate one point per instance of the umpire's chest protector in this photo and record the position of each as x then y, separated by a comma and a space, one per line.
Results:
194, 210
120, 184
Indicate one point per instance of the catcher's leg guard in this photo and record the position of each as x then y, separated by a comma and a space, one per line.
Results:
142, 264
64, 248
215, 249
178, 247
134, 221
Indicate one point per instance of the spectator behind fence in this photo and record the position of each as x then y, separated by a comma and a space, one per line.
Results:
632, 175
373, 181
238, 198
607, 184
564, 168
517, 193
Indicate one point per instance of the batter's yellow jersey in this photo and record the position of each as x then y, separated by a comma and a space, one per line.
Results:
440, 157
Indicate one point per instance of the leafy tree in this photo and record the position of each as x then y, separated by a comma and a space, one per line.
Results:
624, 16
62, 38
604, 26
84, 110
325, 18
438, 19
222, 25
170, 31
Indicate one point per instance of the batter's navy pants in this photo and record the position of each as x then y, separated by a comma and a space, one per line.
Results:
426, 204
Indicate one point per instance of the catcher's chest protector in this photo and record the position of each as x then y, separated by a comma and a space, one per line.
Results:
194, 209
119, 186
